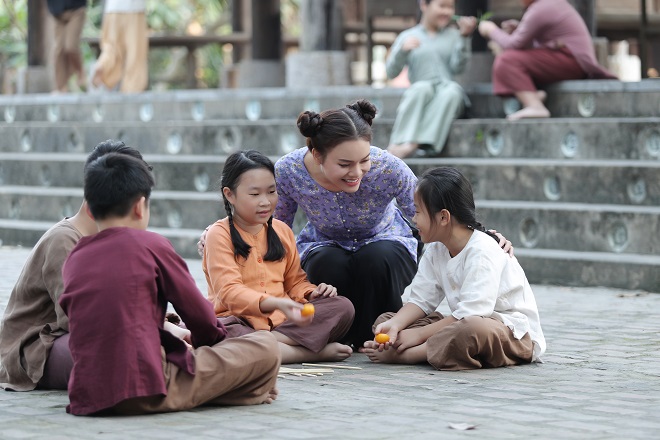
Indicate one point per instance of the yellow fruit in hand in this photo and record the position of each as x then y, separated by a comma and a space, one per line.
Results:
307, 310
382, 338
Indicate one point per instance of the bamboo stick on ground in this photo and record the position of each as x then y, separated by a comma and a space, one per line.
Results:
340, 367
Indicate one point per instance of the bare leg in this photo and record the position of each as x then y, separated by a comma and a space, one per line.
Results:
532, 102
412, 355
292, 353
403, 150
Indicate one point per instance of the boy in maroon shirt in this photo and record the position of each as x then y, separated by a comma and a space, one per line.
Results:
117, 284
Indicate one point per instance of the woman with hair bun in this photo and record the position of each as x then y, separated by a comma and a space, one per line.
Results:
356, 238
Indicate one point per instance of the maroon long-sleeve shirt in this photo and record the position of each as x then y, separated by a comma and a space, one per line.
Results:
117, 284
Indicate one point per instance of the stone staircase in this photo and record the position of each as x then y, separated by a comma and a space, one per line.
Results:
578, 194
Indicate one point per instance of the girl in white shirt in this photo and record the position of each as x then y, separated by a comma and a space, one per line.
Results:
494, 321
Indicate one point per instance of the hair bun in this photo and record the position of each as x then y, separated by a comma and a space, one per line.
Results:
309, 123
365, 109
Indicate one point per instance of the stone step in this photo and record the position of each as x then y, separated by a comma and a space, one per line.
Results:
27, 232
556, 138
575, 268
548, 225
542, 266
580, 99
621, 182
595, 138
584, 99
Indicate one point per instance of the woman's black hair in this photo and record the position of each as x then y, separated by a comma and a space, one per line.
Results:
446, 188
237, 164
330, 128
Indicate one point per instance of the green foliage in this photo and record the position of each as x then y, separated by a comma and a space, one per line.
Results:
166, 66
13, 33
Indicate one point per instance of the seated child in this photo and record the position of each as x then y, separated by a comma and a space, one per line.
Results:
253, 271
34, 340
494, 320
117, 284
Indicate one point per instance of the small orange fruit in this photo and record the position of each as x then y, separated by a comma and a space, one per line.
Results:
382, 338
307, 310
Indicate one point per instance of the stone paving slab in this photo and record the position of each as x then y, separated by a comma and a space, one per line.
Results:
600, 380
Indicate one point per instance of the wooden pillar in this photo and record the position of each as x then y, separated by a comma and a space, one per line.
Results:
36, 39
322, 25
266, 30
643, 40
475, 8
587, 10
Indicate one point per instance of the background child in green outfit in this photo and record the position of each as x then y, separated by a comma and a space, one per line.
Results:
434, 51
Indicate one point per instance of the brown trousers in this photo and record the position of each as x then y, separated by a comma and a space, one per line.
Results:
332, 320
67, 57
471, 343
236, 371
124, 52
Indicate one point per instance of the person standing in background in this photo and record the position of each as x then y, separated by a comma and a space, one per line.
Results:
124, 48
69, 18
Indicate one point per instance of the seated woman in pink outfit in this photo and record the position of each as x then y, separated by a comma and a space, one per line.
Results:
551, 43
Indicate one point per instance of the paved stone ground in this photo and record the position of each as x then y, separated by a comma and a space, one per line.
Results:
600, 380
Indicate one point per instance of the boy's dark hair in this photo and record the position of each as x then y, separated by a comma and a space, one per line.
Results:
237, 164
332, 127
447, 188
113, 146
115, 181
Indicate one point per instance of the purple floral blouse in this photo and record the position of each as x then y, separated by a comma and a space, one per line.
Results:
348, 220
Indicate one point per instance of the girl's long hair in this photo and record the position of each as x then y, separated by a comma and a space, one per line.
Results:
237, 164
446, 188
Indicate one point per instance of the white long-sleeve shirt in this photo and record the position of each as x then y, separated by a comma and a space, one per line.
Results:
480, 281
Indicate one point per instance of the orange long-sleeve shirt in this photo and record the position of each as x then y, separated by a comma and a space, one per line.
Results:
237, 287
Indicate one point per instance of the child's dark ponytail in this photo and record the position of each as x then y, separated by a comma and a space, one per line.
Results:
275, 248
446, 188
240, 246
237, 164
479, 227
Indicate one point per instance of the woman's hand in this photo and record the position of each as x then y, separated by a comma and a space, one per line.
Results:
486, 27
505, 244
323, 290
202, 242
467, 25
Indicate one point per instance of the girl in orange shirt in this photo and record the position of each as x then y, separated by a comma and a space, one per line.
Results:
252, 268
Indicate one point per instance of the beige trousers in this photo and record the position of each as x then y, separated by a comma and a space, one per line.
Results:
124, 52
237, 371
67, 56
473, 342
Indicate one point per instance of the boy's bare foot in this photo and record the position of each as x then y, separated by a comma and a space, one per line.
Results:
529, 112
272, 396
403, 150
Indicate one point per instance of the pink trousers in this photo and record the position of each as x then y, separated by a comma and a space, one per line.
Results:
526, 70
